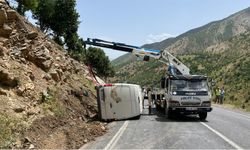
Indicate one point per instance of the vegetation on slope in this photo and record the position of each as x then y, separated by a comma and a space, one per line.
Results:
139, 72
230, 68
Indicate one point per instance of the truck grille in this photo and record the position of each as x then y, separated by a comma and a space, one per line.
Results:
190, 103
200, 93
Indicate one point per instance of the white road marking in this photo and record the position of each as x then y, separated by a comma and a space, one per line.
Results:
223, 137
117, 136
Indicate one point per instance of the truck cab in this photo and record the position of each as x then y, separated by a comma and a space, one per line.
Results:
186, 94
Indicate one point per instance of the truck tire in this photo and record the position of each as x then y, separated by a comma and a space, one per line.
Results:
165, 109
203, 115
168, 113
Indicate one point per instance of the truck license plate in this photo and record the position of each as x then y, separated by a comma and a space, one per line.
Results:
191, 108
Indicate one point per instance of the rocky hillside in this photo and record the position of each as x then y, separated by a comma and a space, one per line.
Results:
47, 99
219, 49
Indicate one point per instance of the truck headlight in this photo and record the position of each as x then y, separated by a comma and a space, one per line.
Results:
174, 103
206, 104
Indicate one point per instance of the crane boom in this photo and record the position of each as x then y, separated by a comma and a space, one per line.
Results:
163, 56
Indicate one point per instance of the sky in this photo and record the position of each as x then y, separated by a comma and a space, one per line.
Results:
138, 22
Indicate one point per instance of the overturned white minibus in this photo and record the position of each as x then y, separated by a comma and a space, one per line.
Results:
119, 101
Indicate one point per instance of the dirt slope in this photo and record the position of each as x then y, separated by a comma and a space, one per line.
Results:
47, 99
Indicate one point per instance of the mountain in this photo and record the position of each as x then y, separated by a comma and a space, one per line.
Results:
209, 35
123, 60
205, 37
219, 49
47, 99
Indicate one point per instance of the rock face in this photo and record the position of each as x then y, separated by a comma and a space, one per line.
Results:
7, 79
32, 35
41, 57
55, 76
2, 50
36, 83
3, 16
11, 14
5, 31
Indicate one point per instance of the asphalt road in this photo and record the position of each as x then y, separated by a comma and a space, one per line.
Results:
224, 129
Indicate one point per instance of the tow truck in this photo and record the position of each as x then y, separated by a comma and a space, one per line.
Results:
181, 92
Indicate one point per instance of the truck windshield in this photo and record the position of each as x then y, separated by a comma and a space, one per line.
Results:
189, 85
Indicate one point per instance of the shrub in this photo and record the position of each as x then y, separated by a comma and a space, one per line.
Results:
51, 103
8, 126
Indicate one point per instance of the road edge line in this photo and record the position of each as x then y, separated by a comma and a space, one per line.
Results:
223, 137
235, 112
117, 136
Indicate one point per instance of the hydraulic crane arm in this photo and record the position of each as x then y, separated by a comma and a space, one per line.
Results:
112, 45
183, 69
137, 51
163, 56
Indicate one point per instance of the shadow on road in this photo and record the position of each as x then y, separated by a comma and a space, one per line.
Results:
161, 117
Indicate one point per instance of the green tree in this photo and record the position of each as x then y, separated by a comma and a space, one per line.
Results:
25, 5
44, 13
80, 52
58, 18
99, 61
65, 23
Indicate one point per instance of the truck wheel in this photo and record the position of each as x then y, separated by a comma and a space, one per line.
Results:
203, 115
165, 109
168, 113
